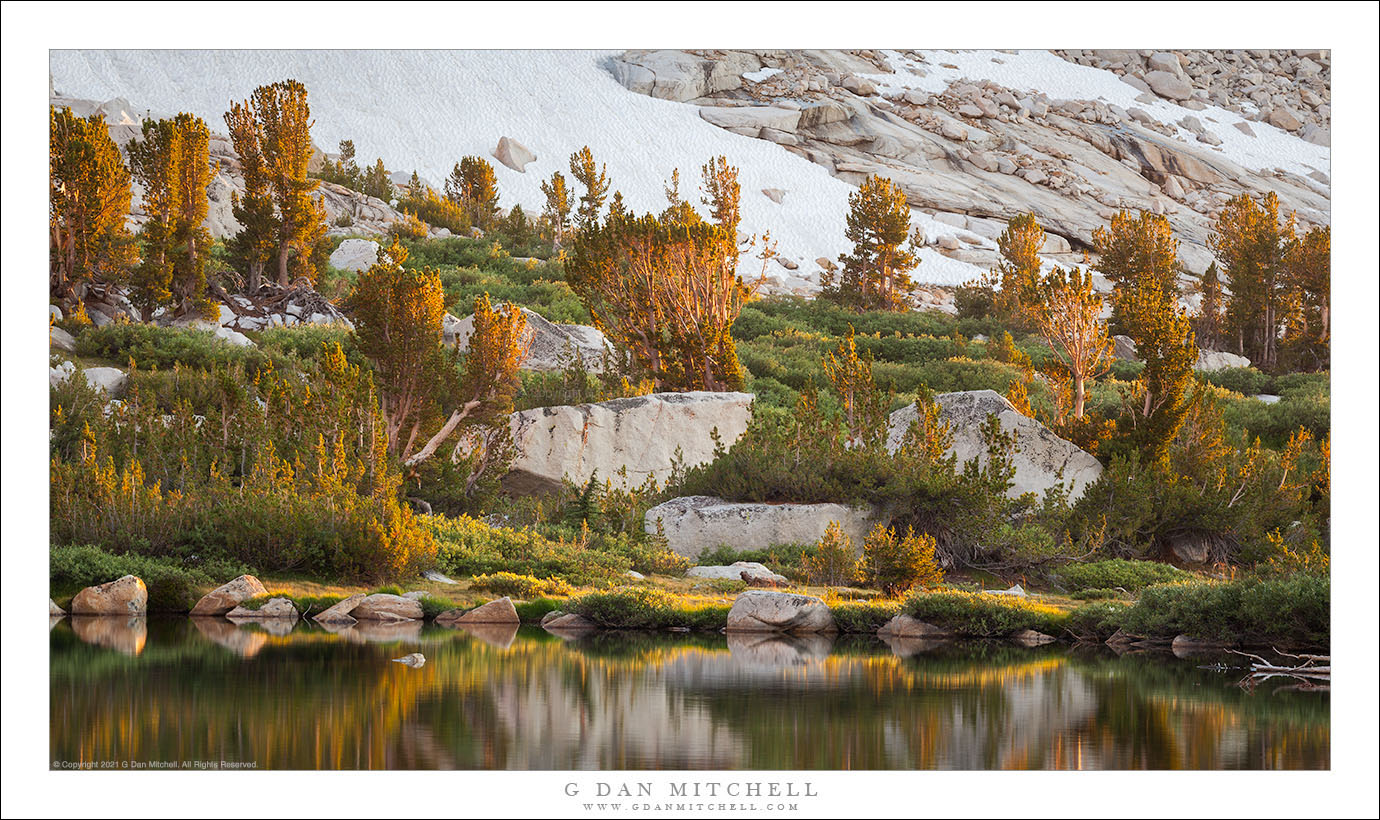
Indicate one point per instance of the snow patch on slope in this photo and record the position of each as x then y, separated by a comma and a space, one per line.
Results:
1059, 79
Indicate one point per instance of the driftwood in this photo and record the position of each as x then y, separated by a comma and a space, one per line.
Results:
1313, 674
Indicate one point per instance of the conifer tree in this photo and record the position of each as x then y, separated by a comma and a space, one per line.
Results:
1066, 314
834, 562
876, 275
88, 201
1308, 330
1252, 245
153, 162
1017, 276
254, 245
193, 241
423, 397
557, 212
473, 186
1164, 339
666, 289
1207, 327
1138, 250
596, 183
864, 406
279, 118
375, 182
518, 227
722, 192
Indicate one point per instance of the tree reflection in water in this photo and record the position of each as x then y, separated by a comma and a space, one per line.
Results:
308, 698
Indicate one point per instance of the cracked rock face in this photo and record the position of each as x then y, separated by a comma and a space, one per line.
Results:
693, 523
626, 441
1042, 459
984, 151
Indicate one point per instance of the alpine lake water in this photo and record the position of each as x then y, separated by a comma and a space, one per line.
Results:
198, 693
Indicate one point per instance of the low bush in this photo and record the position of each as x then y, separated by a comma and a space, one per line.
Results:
1095, 594
980, 615
519, 586
173, 586
1131, 576
466, 546
151, 346
1284, 610
863, 616
645, 608
1244, 380
1097, 621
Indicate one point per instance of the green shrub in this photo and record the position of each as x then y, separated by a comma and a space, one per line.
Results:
863, 616
787, 559
151, 346
894, 565
645, 608
981, 615
1287, 610
1095, 594
466, 546
1131, 576
1244, 380
173, 586
1097, 621
530, 611
519, 586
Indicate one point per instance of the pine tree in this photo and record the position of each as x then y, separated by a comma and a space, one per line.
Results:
1138, 251
193, 241
376, 183
557, 212
876, 275
1308, 330
834, 562
518, 227
895, 565
1017, 277
596, 184
864, 406
88, 201
1207, 327
424, 400
254, 245
279, 120
1164, 339
153, 162
1252, 246
473, 186
666, 289
1066, 314
722, 192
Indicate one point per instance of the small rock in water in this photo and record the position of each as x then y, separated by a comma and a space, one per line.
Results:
416, 660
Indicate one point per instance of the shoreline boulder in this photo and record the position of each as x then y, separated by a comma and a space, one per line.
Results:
1042, 459
764, 611
272, 609
697, 522
384, 607
340, 613
229, 595
905, 626
737, 572
500, 611
123, 596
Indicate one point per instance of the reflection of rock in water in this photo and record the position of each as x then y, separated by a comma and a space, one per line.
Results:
54, 620
775, 650
609, 720
119, 632
375, 631
243, 641
277, 627
910, 647
499, 636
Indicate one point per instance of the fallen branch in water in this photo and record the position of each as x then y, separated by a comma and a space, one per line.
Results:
1314, 669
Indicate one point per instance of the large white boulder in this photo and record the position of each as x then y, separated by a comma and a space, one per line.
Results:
697, 522
766, 611
642, 435
227, 596
1042, 459
126, 595
552, 346
734, 572
514, 154
1210, 360
355, 255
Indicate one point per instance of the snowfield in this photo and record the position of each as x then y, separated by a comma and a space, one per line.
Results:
423, 110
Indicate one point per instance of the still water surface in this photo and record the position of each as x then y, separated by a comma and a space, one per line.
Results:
177, 691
